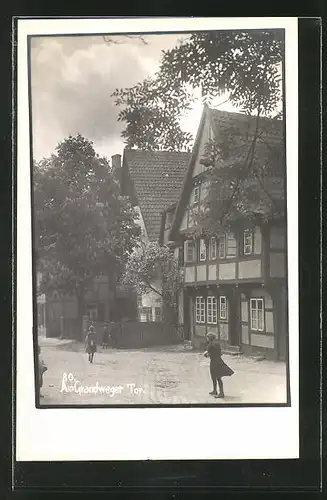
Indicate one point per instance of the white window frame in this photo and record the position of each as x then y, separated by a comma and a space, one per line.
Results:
229, 237
254, 314
146, 311
223, 317
211, 310
196, 194
187, 249
213, 245
222, 239
202, 250
158, 317
247, 245
200, 309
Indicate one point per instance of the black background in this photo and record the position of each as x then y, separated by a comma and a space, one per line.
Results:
194, 478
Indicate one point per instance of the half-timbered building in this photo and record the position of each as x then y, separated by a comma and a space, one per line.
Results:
235, 282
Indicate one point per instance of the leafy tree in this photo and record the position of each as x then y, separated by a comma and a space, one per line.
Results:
246, 168
245, 65
82, 227
245, 175
150, 263
152, 117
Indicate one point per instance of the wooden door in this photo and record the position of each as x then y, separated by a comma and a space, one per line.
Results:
234, 317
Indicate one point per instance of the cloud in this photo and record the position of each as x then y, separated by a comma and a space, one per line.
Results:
71, 82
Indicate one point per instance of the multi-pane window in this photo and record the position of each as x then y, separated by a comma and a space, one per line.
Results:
200, 309
223, 307
231, 245
247, 242
212, 310
147, 313
257, 314
213, 248
222, 247
157, 312
189, 250
196, 194
202, 250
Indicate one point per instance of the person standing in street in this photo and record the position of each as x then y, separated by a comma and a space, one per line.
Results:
90, 343
218, 368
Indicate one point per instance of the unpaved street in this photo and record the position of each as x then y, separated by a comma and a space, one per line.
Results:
164, 375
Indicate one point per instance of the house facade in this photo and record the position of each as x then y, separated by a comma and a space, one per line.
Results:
57, 312
153, 181
235, 283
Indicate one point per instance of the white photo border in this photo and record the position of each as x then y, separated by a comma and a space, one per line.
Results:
57, 434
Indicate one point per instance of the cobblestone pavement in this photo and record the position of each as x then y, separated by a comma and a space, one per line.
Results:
163, 375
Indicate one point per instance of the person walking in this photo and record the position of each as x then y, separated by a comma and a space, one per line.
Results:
218, 368
90, 343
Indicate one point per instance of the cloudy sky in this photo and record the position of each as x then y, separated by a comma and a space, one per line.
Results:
72, 79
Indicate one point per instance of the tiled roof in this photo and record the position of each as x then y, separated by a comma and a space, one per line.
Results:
158, 178
270, 134
268, 127
268, 151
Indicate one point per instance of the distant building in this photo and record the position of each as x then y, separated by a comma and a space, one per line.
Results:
57, 313
153, 181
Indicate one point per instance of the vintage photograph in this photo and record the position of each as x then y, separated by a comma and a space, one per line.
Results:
159, 215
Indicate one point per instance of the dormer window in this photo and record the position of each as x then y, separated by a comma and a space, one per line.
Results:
196, 194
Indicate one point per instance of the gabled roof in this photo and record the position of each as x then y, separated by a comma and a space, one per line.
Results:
268, 127
270, 133
157, 178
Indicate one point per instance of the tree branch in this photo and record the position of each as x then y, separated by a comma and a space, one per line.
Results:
250, 153
153, 289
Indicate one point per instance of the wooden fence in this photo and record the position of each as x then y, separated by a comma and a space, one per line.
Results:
134, 334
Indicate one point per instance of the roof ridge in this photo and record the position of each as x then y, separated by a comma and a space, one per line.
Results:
237, 113
156, 151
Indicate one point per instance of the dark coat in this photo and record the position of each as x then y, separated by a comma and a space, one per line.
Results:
217, 366
90, 343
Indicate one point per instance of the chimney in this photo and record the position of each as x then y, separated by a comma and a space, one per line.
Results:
116, 161
117, 170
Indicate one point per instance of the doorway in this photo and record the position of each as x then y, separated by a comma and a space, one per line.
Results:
234, 302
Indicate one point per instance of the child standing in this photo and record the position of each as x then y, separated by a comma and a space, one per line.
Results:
218, 368
90, 343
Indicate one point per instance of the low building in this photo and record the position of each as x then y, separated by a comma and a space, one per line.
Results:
57, 311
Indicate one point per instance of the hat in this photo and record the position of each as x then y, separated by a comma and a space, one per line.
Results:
211, 335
